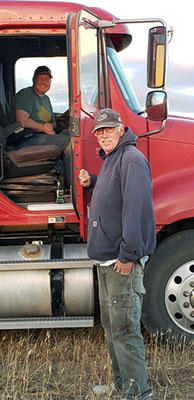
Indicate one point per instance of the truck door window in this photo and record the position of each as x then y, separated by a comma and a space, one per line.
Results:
24, 69
88, 65
90, 59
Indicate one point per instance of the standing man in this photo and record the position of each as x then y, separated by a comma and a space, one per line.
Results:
121, 236
34, 110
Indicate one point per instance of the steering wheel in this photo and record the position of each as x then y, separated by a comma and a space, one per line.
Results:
63, 120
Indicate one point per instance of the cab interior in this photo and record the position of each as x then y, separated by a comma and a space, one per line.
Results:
29, 174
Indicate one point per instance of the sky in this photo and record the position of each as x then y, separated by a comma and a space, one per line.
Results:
180, 74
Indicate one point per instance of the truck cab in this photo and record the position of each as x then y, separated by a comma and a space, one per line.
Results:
46, 278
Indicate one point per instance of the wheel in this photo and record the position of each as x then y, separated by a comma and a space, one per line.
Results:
168, 306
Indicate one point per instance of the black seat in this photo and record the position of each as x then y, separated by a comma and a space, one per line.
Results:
30, 171
27, 161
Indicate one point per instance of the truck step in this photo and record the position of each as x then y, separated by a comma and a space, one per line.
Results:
47, 322
49, 206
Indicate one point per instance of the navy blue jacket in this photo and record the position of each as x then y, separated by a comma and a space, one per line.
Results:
121, 223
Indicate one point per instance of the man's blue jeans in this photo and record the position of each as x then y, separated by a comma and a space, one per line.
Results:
120, 303
39, 138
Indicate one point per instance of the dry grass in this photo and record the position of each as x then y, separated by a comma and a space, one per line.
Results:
65, 365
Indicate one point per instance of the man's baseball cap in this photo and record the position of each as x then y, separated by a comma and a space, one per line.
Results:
106, 118
42, 70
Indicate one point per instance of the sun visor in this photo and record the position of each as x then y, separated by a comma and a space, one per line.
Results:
120, 40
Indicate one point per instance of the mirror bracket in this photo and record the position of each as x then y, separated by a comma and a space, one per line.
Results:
153, 132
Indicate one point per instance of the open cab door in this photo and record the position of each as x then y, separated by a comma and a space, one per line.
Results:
88, 92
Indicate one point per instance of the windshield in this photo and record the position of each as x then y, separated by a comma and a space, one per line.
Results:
122, 80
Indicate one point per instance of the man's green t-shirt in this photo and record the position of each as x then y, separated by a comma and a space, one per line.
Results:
39, 108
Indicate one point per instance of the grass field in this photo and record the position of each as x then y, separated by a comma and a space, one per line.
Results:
65, 364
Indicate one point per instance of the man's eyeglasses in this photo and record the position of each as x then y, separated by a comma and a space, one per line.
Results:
100, 132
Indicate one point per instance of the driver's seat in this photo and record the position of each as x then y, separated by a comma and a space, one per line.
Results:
26, 170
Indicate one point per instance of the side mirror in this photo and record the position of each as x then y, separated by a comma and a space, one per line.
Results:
156, 59
156, 105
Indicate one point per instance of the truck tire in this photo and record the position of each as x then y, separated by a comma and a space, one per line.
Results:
168, 307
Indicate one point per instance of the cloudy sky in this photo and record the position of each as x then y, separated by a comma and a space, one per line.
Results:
180, 77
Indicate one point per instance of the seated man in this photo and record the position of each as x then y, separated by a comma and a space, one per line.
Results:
34, 110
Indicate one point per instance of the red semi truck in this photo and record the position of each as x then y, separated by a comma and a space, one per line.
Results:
46, 278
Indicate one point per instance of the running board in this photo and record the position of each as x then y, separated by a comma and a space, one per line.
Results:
39, 323
49, 206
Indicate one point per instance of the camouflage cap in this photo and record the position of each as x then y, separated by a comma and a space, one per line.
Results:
106, 118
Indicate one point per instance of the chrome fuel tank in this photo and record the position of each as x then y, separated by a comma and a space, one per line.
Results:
32, 285
29, 251
25, 294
